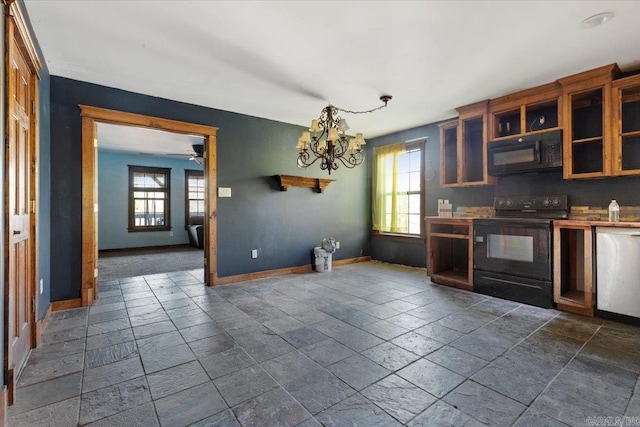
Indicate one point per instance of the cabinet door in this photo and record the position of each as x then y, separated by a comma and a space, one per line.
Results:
474, 162
587, 118
449, 154
626, 126
585, 138
472, 145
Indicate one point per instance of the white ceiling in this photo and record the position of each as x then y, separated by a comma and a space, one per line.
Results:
146, 141
285, 60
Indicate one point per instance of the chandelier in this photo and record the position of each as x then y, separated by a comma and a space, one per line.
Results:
329, 142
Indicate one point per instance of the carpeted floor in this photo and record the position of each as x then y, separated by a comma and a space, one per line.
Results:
140, 262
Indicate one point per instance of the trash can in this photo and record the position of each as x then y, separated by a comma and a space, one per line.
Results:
323, 260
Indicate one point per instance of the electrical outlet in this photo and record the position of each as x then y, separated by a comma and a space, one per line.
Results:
254, 253
171, 234
41, 286
337, 245
542, 120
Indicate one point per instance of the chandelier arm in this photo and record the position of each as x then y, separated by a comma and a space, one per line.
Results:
353, 160
341, 147
303, 159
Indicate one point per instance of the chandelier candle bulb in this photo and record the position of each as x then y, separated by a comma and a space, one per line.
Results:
314, 127
333, 135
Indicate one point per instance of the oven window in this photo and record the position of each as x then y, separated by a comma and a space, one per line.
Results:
526, 155
514, 248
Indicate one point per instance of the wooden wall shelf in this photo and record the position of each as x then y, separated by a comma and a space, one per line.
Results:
286, 181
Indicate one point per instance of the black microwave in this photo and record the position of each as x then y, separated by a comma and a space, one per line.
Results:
528, 153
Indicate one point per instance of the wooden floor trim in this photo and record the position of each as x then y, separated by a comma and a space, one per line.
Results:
351, 260
283, 271
3, 406
66, 304
41, 324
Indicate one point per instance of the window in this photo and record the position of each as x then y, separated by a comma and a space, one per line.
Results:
397, 188
194, 194
149, 198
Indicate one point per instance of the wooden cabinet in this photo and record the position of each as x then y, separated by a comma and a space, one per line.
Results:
450, 251
463, 146
598, 113
525, 112
573, 272
449, 154
626, 126
587, 120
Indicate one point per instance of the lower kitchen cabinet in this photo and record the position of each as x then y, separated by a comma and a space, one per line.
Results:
450, 251
573, 267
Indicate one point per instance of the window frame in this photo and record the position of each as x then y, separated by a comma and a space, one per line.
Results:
406, 237
133, 169
187, 174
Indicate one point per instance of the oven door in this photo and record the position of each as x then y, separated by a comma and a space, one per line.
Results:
514, 247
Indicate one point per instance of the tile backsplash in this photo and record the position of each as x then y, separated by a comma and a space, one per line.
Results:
579, 213
599, 213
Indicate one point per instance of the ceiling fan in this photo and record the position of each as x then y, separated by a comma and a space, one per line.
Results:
197, 155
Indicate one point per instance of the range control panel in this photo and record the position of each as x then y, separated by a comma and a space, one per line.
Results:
554, 206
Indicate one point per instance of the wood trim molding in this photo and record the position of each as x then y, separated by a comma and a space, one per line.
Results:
4, 399
120, 117
66, 304
352, 260
283, 271
40, 326
90, 116
24, 37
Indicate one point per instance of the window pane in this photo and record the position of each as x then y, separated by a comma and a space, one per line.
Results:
414, 181
415, 158
403, 163
414, 224
403, 183
414, 204
403, 204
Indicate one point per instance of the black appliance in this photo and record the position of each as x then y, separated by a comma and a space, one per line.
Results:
513, 252
528, 153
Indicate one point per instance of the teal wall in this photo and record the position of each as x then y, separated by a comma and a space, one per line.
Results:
284, 226
113, 200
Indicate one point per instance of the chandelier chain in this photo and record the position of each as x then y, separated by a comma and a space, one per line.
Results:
360, 112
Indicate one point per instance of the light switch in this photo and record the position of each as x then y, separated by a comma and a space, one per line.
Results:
224, 191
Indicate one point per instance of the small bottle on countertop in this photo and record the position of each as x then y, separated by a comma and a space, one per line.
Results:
614, 211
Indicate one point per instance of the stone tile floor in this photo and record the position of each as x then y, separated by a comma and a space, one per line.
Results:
367, 344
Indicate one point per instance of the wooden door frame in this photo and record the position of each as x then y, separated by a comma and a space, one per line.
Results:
92, 115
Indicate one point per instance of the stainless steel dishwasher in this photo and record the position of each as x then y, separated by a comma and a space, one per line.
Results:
618, 270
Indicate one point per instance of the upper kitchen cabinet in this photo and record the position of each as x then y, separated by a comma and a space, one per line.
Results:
587, 122
449, 154
626, 126
525, 112
469, 137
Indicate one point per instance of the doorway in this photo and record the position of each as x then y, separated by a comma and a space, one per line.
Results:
151, 202
91, 116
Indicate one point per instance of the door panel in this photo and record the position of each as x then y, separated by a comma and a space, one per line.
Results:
20, 280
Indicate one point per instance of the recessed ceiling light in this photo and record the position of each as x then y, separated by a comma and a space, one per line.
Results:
595, 20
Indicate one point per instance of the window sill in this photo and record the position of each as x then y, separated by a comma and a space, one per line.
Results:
143, 229
404, 238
